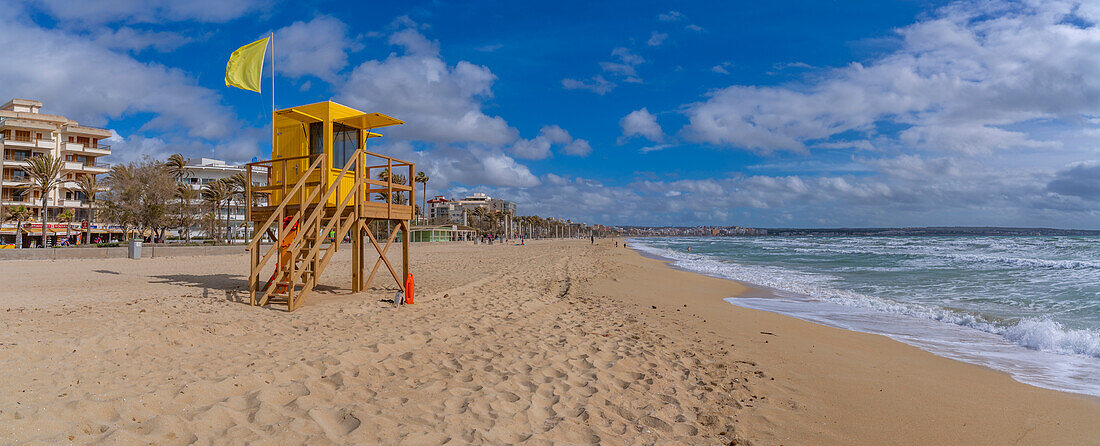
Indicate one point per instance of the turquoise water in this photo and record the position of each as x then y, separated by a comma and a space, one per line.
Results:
1026, 305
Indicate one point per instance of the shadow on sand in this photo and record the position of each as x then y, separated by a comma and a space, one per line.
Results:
235, 286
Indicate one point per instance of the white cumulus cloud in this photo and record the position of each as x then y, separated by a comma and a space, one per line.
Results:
440, 103
641, 123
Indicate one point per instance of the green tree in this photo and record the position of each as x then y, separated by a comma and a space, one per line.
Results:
20, 214
138, 195
216, 194
238, 186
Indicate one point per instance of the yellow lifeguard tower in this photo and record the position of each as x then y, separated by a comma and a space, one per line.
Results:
322, 185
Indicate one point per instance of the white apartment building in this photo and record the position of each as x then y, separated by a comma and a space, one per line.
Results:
26, 132
442, 210
202, 171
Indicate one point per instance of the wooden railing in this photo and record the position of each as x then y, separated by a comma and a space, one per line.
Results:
279, 214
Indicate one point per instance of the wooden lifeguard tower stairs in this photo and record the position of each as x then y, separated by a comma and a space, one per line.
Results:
322, 185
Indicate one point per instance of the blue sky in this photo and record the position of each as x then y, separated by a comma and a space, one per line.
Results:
854, 113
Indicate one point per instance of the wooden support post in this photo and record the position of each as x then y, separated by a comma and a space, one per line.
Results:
389, 188
248, 195
357, 256
357, 228
253, 278
404, 253
412, 193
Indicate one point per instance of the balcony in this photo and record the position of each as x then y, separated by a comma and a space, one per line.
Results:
98, 149
96, 167
21, 202
95, 150
21, 141
70, 203
15, 160
73, 165
12, 180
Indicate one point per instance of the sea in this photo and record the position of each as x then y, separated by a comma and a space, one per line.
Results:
1028, 306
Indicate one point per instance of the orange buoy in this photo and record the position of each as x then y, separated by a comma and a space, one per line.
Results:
409, 286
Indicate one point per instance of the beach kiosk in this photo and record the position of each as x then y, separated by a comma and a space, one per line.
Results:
323, 187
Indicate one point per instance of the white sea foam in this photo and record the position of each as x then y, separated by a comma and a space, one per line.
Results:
1053, 337
1038, 334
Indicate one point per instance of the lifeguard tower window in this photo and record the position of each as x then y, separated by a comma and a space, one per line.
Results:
345, 141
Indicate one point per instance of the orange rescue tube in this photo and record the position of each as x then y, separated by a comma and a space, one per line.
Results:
284, 258
409, 286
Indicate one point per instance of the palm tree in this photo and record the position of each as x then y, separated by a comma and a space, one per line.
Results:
214, 193
423, 178
89, 186
44, 174
67, 217
238, 188
20, 214
176, 166
479, 212
385, 175
209, 222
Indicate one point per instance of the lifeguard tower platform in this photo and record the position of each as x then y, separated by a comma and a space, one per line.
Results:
322, 185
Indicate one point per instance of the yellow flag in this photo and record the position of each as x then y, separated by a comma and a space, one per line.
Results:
246, 65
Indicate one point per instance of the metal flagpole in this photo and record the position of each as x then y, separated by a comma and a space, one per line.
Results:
273, 94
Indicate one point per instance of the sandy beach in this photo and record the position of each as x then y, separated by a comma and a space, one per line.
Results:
553, 342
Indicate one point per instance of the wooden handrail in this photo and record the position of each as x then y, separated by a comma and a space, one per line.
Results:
379, 155
332, 188
387, 184
290, 224
324, 231
260, 230
289, 158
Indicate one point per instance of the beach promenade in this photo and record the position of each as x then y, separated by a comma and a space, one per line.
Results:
552, 342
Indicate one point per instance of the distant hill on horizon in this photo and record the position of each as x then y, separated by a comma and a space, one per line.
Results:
838, 232
932, 231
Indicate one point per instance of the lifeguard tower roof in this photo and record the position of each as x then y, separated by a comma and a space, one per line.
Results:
337, 113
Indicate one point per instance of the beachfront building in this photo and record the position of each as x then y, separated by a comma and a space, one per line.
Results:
444, 211
491, 204
442, 233
199, 172
26, 132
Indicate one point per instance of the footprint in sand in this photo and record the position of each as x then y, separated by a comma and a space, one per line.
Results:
336, 424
